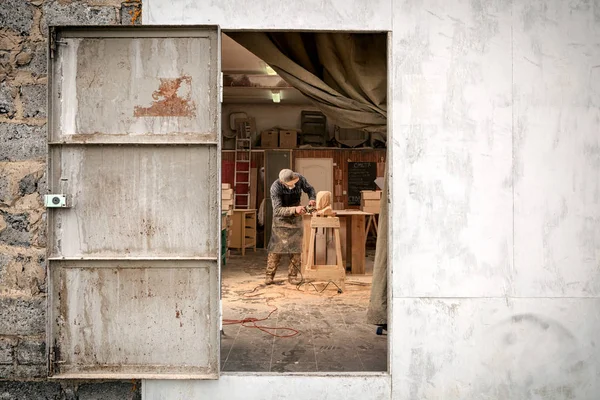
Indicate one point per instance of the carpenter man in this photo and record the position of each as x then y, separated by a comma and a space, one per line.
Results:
286, 234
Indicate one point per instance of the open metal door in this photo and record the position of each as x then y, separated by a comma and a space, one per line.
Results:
134, 257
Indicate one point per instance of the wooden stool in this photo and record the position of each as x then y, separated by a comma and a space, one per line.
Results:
325, 272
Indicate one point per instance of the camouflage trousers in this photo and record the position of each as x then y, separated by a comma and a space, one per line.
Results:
274, 259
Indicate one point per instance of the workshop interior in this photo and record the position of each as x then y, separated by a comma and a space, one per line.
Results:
315, 104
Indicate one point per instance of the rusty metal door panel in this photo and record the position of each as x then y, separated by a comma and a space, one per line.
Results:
136, 201
134, 260
115, 86
134, 317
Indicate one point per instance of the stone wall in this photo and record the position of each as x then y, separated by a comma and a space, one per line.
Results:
23, 112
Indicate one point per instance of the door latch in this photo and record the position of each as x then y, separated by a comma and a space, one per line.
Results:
56, 201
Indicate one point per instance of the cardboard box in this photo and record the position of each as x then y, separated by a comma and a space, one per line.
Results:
226, 194
225, 186
370, 194
226, 204
269, 139
370, 203
288, 139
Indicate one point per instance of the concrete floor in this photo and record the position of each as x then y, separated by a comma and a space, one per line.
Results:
333, 335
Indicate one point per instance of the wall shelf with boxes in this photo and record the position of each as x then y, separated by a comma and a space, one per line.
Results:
279, 139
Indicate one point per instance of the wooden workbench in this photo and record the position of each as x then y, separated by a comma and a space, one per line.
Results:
352, 236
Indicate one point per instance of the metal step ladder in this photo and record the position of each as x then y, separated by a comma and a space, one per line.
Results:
243, 149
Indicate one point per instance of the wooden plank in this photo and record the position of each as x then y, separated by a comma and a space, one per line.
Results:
371, 203
381, 168
331, 252
338, 190
253, 184
321, 246
358, 244
347, 213
311, 251
325, 222
305, 241
344, 240
372, 210
338, 175
227, 194
370, 194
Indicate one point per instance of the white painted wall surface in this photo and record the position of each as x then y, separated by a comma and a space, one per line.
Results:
495, 159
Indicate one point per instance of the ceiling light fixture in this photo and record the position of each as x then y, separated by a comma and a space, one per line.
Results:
270, 71
276, 96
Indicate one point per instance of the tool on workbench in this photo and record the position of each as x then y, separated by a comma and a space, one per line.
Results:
310, 209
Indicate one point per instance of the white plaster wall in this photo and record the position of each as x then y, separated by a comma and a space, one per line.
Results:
495, 160
496, 200
374, 15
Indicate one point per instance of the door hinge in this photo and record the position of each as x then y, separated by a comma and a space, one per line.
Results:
54, 42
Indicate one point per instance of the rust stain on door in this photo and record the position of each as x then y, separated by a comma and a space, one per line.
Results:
172, 99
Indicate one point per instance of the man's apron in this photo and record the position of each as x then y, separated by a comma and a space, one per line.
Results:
286, 234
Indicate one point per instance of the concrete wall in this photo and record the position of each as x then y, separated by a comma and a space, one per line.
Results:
495, 156
23, 80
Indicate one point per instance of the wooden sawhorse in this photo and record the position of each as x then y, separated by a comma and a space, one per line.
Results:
325, 272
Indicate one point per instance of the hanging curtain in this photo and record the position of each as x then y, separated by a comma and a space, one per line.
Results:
345, 76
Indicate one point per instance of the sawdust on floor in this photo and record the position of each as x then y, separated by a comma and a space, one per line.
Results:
332, 330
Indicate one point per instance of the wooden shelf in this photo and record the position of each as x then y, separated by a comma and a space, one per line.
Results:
243, 230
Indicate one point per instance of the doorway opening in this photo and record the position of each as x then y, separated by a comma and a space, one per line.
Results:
291, 101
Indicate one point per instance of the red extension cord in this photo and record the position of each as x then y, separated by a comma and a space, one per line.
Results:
266, 329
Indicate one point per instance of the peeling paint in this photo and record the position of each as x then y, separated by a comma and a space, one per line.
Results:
170, 100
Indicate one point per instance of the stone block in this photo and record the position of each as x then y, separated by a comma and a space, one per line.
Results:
5, 260
9, 41
17, 179
7, 101
29, 184
23, 316
7, 350
30, 390
33, 98
5, 190
131, 14
76, 13
22, 271
31, 352
15, 230
37, 54
109, 391
17, 15
27, 372
22, 142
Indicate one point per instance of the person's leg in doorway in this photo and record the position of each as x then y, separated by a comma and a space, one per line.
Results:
273, 261
294, 268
